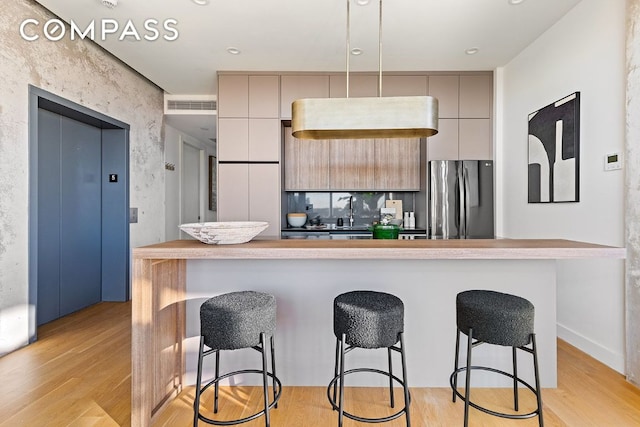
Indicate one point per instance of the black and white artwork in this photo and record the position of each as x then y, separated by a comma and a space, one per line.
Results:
554, 152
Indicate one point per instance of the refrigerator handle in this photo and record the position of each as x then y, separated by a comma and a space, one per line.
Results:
463, 201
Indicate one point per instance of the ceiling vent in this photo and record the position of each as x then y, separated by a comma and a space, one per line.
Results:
190, 104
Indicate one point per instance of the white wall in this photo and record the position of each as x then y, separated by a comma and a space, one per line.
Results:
83, 73
584, 51
174, 139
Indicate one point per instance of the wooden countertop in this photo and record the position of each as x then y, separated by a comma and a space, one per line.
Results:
274, 248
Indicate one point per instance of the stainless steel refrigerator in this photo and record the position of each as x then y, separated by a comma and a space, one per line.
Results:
461, 199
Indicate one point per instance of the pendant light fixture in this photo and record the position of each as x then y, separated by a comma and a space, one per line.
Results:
372, 117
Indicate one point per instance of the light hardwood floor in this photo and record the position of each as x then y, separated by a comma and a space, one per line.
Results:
79, 374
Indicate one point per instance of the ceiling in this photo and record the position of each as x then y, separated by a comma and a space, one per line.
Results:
310, 35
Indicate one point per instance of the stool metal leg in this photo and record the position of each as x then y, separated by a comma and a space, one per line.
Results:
336, 370
455, 364
196, 402
265, 378
343, 343
216, 386
467, 389
407, 399
515, 378
273, 370
537, 379
391, 396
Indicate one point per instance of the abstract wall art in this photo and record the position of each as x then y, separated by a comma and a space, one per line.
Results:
554, 152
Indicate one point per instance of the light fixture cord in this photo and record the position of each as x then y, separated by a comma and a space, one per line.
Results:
380, 52
379, 46
348, 41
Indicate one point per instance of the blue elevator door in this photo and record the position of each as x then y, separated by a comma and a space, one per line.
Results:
69, 215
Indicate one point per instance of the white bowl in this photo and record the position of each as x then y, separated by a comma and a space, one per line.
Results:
296, 219
224, 233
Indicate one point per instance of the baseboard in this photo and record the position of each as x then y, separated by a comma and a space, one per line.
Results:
593, 349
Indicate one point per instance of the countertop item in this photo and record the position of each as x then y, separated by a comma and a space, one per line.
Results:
296, 219
385, 231
224, 233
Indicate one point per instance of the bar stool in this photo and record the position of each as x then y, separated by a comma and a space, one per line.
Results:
232, 321
500, 319
368, 320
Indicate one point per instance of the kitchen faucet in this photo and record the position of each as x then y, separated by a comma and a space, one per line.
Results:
350, 211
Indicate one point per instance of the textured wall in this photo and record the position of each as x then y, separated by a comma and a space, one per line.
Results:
633, 191
84, 73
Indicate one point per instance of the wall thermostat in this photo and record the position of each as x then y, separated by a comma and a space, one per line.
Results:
612, 161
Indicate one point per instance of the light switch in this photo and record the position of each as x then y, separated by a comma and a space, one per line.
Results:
133, 215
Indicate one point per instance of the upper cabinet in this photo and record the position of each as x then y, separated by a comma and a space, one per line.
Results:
248, 122
465, 117
264, 97
233, 95
351, 164
306, 164
301, 86
404, 85
360, 86
397, 164
447, 90
476, 95
248, 96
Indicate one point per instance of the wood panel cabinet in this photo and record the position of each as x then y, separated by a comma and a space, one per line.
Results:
397, 164
352, 164
250, 192
306, 164
301, 86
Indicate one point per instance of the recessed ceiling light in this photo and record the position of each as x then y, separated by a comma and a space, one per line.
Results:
356, 51
516, 2
472, 51
233, 50
201, 2
362, 2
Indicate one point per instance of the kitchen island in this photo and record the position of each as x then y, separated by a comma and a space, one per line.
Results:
172, 279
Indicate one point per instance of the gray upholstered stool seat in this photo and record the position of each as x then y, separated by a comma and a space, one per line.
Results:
496, 318
234, 321
368, 320
501, 319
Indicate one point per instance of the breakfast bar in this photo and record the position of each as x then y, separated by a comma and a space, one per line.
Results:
172, 279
